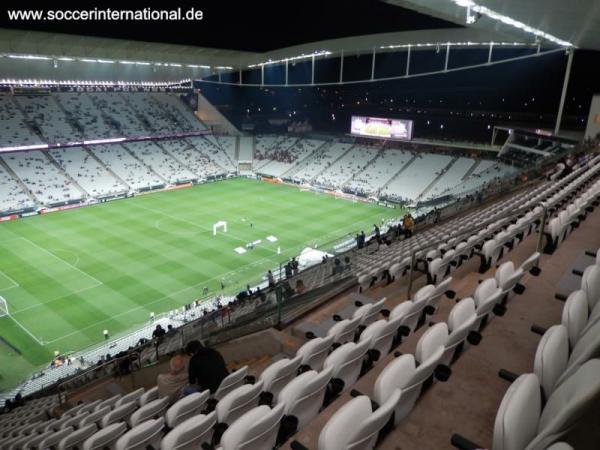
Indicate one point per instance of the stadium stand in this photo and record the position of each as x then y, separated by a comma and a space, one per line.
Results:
363, 380
12, 195
213, 150
12, 123
116, 112
87, 172
159, 161
190, 157
50, 119
342, 169
281, 161
377, 174
126, 166
80, 109
42, 178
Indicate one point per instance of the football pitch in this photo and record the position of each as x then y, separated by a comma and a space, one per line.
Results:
69, 275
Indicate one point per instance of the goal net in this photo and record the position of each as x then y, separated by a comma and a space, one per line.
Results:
3, 307
220, 224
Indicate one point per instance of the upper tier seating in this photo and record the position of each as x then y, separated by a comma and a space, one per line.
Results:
179, 111
118, 113
13, 129
49, 117
81, 109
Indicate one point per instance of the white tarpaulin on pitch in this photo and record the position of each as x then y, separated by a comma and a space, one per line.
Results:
310, 256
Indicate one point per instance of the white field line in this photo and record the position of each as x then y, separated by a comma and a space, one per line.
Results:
14, 283
97, 281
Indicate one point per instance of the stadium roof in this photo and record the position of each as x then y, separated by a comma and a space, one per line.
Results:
577, 22
574, 23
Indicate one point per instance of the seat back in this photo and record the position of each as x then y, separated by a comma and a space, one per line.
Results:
398, 374
517, 417
119, 413
106, 437
315, 351
230, 382
280, 373
381, 335
369, 315
186, 407
133, 396
346, 361
587, 347
437, 270
74, 440
590, 283
142, 436
149, 395
191, 433
439, 290
110, 402
507, 277
238, 401
95, 417
575, 315
461, 320
486, 296
154, 409
344, 330
355, 426
255, 430
571, 401
53, 439
304, 395
551, 357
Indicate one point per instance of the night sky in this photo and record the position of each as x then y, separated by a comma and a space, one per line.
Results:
240, 25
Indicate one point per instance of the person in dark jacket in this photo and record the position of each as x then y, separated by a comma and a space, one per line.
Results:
206, 367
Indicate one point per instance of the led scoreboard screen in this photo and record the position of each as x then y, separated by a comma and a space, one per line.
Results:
381, 127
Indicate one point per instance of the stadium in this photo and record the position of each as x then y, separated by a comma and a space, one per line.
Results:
367, 226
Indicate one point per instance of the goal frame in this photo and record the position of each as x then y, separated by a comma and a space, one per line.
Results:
4, 307
219, 224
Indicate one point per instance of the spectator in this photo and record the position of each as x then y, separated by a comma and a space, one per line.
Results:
288, 270
294, 265
299, 287
206, 368
158, 332
171, 384
408, 224
270, 278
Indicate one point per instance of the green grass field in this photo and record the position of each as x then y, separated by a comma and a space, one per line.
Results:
69, 275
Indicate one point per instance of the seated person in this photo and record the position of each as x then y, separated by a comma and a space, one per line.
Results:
171, 384
206, 368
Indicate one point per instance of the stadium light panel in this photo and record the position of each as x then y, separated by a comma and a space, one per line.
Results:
29, 57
